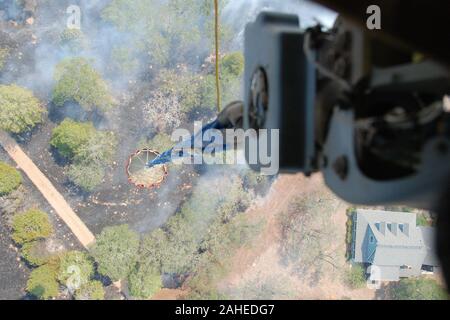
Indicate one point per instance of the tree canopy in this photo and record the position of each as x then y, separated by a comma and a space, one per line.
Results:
10, 179
161, 142
20, 110
355, 277
232, 65
78, 81
70, 136
89, 149
75, 263
175, 248
73, 40
144, 281
31, 225
36, 253
418, 289
42, 282
165, 30
86, 176
116, 251
92, 290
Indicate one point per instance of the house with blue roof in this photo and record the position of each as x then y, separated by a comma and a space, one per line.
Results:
392, 245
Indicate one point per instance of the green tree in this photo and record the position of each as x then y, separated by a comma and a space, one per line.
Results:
172, 250
181, 247
355, 277
36, 253
92, 290
207, 91
86, 176
144, 281
161, 142
20, 111
167, 31
98, 150
73, 39
90, 150
124, 59
230, 90
75, 263
31, 225
10, 179
418, 289
116, 251
78, 81
70, 136
153, 249
196, 229
232, 65
42, 282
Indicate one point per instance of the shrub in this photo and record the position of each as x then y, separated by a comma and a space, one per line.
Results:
98, 150
198, 229
124, 59
10, 179
349, 233
307, 236
183, 85
230, 90
171, 252
152, 251
422, 220
164, 39
86, 176
161, 142
232, 65
253, 179
75, 263
78, 81
92, 290
19, 109
417, 289
355, 278
73, 39
207, 91
265, 288
144, 281
36, 253
163, 111
31, 225
90, 150
70, 136
42, 282
116, 251
4, 53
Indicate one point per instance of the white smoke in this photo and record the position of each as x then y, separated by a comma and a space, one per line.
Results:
238, 13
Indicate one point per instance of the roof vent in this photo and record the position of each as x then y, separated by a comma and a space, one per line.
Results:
381, 226
394, 228
404, 228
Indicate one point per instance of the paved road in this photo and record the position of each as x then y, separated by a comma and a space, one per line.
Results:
56, 200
